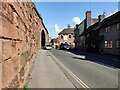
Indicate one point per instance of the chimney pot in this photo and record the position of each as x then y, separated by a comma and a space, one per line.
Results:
101, 17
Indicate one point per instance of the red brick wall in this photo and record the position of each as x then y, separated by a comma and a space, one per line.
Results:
19, 42
69, 40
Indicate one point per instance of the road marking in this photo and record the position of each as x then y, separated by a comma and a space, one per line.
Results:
85, 86
78, 79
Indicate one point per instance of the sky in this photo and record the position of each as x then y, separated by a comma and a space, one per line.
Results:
57, 15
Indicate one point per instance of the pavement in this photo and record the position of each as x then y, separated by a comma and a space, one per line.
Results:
47, 74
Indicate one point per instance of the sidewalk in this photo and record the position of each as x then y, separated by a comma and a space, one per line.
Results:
46, 74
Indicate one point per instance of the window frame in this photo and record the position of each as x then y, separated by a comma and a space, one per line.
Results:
118, 43
108, 44
70, 36
118, 26
61, 36
108, 29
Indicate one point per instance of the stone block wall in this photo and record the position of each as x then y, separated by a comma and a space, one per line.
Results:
20, 29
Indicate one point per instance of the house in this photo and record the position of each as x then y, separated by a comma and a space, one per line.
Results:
54, 42
110, 31
91, 35
66, 36
79, 29
104, 35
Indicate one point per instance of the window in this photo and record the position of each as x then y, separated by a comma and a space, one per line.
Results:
118, 43
88, 35
108, 44
80, 44
107, 29
118, 25
81, 37
65, 37
61, 36
69, 36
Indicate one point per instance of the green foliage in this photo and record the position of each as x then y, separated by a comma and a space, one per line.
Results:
26, 86
69, 26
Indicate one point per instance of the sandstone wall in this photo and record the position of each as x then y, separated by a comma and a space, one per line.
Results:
20, 34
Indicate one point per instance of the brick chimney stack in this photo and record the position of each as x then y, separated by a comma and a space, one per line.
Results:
88, 14
88, 19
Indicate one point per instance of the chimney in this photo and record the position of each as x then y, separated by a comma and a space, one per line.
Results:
88, 14
101, 17
88, 19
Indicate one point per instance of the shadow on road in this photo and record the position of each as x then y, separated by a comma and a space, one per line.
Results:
107, 61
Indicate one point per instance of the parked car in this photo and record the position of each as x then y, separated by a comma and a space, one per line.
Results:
48, 47
64, 46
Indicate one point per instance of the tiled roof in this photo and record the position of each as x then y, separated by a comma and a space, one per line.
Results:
94, 20
67, 31
115, 18
91, 28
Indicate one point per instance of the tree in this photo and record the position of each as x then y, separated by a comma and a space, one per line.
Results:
69, 26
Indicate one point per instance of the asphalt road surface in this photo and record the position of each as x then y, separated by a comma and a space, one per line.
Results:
93, 73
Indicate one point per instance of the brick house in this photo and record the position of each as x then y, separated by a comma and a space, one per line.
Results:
66, 35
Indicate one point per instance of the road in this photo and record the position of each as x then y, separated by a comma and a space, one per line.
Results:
94, 74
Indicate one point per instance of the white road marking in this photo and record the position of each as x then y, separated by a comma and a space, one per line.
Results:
85, 86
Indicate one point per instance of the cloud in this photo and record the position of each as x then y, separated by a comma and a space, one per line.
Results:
76, 20
56, 28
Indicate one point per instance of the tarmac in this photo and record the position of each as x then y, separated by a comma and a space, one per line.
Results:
47, 74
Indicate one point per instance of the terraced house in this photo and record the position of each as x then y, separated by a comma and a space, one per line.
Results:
110, 30
104, 36
80, 28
